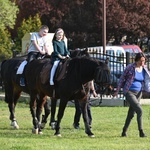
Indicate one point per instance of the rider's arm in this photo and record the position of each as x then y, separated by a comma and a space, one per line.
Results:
93, 88
34, 42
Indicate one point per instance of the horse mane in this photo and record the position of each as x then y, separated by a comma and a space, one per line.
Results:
85, 60
79, 53
76, 61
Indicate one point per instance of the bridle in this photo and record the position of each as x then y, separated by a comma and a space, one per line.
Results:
101, 90
102, 76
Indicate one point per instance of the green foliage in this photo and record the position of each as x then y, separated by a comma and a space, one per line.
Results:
8, 14
107, 125
82, 19
5, 44
32, 24
8, 17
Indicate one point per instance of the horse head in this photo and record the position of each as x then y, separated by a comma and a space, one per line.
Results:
102, 75
103, 79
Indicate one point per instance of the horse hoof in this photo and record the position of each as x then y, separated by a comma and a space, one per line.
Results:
58, 135
35, 131
14, 125
40, 132
92, 136
42, 126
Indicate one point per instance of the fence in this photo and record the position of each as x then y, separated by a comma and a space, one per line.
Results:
116, 64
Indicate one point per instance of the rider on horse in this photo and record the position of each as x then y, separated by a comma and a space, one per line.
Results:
37, 47
60, 51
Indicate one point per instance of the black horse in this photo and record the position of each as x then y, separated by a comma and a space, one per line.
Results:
52, 110
11, 82
73, 84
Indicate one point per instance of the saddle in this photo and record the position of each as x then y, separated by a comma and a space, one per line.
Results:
59, 74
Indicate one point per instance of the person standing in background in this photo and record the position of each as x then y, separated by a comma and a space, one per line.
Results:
78, 109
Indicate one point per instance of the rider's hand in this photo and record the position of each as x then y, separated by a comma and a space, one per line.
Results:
42, 52
67, 56
94, 93
63, 57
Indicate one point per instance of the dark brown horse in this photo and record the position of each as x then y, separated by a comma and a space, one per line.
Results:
73, 85
11, 82
52, 110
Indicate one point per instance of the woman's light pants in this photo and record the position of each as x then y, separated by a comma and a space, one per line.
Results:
53, 70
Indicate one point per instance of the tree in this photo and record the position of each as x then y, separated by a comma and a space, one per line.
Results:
8, 14
7, 20
82, 19
31, 8
6, 44
28, 8
32, 24
137, 17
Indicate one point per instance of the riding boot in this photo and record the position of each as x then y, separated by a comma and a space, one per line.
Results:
123, 134
141, 133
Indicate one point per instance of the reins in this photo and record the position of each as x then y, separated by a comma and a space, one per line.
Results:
101, 91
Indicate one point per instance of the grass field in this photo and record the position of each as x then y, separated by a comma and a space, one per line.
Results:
107, 125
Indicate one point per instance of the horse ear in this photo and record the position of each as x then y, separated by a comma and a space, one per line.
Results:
86, 52
107, 60
86, 49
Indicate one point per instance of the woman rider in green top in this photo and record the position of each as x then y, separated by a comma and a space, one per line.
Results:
60, 51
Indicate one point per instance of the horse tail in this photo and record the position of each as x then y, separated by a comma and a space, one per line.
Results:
1, 73
1, 68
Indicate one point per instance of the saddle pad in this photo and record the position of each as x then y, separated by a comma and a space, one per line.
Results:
21, 67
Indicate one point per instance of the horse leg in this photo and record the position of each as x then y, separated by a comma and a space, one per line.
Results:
83, 105
14, 121
12, 98
46, 114
61, 110
33, 113
40, 104
53, 111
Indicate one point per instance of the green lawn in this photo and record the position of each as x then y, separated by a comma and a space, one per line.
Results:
107, 125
